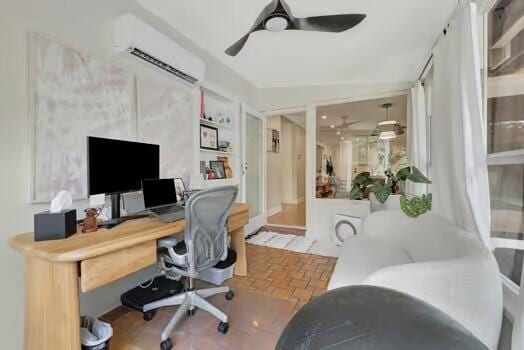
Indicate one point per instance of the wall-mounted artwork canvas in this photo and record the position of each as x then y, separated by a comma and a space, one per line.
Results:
75, 96
165, 117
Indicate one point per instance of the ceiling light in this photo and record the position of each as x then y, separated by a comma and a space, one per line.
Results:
332, 126
324, 117
276, 23
338, 132
388, 122
342, 138
387, 135
387, 129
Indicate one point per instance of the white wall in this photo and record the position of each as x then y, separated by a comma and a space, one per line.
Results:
288, 171
80, 24
283, 98
274, 173
320, 213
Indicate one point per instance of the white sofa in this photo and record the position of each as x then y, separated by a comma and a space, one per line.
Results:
430, 259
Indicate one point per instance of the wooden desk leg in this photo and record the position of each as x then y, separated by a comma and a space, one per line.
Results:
238, 243
52, 311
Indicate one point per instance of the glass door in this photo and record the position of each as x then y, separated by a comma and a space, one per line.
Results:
253, 167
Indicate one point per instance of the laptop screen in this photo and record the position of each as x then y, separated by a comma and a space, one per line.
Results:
158, 192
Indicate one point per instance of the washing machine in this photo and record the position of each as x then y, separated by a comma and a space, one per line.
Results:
346, 226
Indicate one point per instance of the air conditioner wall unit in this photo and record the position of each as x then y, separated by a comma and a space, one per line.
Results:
135, 37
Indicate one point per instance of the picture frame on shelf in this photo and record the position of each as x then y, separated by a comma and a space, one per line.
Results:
180, 189
208, 137
217, 167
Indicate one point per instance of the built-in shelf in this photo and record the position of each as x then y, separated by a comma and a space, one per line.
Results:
217, 152
219, 125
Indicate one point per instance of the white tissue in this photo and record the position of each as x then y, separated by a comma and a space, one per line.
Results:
62, 201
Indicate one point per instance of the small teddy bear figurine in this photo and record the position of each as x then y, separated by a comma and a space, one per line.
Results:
90, 222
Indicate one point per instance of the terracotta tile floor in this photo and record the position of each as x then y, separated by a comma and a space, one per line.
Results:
279, 283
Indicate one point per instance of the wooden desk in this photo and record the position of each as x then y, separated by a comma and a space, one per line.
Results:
53, 268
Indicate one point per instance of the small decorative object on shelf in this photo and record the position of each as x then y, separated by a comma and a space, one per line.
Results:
224, 145
90, 223
227, 167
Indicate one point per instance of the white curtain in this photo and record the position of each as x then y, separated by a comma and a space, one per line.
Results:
417, 143
459, 171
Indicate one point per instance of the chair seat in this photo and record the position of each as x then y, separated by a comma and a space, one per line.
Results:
180, 249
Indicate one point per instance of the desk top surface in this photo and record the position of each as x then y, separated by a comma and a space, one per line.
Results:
82, 246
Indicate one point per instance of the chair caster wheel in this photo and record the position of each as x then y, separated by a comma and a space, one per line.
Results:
166, 344
191, 312
149, 315
223, 327
230, 295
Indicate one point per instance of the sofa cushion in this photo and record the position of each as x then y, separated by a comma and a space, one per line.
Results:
361, 256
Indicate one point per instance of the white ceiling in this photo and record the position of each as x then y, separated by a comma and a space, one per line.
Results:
390, 45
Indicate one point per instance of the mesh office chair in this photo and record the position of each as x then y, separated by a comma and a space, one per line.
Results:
205, 244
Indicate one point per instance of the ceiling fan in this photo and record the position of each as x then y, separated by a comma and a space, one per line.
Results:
277, 17
342, 127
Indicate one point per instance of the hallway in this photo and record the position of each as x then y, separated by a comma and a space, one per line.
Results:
291, 215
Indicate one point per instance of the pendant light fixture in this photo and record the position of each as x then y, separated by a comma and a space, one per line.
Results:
384, 134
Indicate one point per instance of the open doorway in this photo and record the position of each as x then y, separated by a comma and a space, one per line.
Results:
286, 170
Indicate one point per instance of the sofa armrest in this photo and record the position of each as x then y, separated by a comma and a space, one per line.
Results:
468, 289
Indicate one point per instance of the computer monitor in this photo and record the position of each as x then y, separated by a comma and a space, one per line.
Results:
158, 192
116, 166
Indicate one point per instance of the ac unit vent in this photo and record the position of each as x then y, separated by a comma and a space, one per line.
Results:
170, 69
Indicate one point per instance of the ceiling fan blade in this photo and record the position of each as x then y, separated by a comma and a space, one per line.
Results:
234, 49
332, 23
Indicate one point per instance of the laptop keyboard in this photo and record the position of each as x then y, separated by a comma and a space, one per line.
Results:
166, 210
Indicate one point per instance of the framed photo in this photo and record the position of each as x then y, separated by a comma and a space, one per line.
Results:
208, 137
180, 188
217, 167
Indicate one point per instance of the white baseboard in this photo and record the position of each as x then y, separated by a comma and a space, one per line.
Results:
274, 211
295, 201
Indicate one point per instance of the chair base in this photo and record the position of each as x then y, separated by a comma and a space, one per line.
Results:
188, 301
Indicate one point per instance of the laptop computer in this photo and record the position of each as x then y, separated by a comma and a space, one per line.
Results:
160, 199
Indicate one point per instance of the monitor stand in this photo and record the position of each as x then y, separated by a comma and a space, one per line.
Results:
116, 219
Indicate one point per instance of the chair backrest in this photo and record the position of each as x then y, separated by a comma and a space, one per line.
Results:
206, 218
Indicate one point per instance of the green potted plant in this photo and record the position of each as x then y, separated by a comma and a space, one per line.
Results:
394, 190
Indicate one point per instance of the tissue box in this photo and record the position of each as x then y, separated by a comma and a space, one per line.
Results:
49, 226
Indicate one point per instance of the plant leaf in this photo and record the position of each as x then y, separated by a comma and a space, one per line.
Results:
415, 206
417, 176
362, 178
381, 193
355, 192
403, 173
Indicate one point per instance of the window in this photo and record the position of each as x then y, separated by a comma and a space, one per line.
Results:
348, 143
505, 133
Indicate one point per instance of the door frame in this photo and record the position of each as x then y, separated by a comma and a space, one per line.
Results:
260, 220
292, 110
